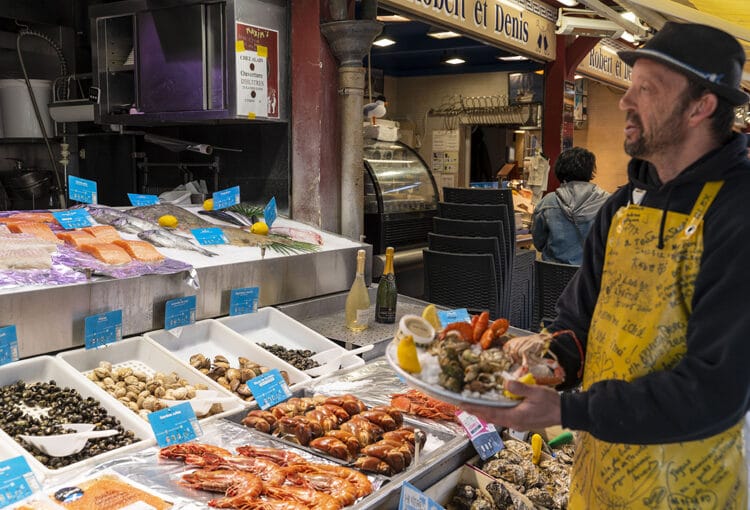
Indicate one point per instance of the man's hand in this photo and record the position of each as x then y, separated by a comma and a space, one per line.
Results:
539, 408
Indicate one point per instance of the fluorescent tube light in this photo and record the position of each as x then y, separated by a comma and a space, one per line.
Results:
392, 18
384, 42
512, 58
454, 61
568, 3
443, 34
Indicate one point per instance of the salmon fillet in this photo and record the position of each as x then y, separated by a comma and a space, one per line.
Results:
39, 230
106, 233
32, 217
140, 250
76, 237
106, 252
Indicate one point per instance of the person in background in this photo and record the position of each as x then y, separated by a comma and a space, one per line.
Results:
561, 220
654, 324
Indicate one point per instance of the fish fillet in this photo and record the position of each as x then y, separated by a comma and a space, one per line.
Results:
24, 258
8, 240
140, 250
76, 237
32, 217
107, 252
105, 233
39, 230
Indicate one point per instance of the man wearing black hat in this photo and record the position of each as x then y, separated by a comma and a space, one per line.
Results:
658, 313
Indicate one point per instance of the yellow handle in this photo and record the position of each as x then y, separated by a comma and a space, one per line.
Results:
536, 448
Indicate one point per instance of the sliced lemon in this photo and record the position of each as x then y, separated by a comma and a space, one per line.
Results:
260, 228
430, 315
168, 221
526, 379
406, 353
208, 204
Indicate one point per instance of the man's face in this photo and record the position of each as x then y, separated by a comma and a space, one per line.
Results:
655, 106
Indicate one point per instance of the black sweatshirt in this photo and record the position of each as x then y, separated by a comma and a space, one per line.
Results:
709, 389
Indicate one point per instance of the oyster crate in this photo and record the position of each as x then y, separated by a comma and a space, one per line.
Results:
142, 354
271, 326
47, 368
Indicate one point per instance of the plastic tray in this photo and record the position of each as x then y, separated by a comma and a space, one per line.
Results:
47, 368
270, 326
141, 354
212, 338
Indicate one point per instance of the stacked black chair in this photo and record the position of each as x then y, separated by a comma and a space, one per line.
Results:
462, 280
458, 211
551, 280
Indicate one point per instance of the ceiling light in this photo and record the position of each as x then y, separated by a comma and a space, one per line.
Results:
392, 18
512, 58
577, 77
520, 131
511, 4
568, 3
443, 34
454, 61
383, 42
627, 36
629, 16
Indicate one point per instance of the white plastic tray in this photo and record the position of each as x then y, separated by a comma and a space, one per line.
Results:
141, 354
47, 368
211, 338
271, 326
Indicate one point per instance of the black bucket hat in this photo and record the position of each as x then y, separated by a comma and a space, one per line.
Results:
709, 55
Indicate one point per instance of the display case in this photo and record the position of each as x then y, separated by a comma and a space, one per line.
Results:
401, 196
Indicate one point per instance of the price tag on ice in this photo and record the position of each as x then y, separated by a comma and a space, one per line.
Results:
81, 190
179, 312
242, 301
211, 235
226, 198
269, 389
103, 328
269, 212
175, 425
8, 345
414, 499
16, 481
457, 315
483, 435
138, 200
73, 218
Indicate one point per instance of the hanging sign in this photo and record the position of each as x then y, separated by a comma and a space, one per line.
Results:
242, 301
257, 60
81, 190
102, 329
603, 64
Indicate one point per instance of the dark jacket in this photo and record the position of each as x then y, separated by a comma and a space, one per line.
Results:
561, 220
709, 389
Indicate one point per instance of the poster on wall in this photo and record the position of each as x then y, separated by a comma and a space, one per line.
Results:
525, 88
257, 63
445, 144
568, 115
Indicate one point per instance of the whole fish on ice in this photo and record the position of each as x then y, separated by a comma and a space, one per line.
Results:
165, 239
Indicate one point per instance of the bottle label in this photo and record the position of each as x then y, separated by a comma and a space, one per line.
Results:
385, 315
363, 316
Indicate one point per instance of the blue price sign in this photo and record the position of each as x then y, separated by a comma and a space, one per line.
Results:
242, 301
175, 425
269, 389
458, 315
414, 499
269, 212
103, 328
16, 481
226, 198
138, 200
73, 218
81, 190
211, 235
179, 312
484, 436
8, 345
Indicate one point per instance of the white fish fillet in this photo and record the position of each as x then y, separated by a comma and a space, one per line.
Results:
9, 240
298, 234
24, 258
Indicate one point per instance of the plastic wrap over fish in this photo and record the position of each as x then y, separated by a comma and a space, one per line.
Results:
373, 383
58, 274
68, 256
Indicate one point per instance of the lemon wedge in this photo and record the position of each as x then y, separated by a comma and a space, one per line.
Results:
260, 228
168, 221
430, 315
406, 353
208, 204
526, 379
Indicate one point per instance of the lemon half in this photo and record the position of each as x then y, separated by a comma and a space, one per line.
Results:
260, 228
406, 353
208, 204
168, 221
430, 315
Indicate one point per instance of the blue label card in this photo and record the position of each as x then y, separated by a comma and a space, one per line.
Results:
81, 190
226, 198
269, 389
16, 481
179, 312
242, 301
484, 436
103, 328
8, 345
175, 425
448, 316
73, 218
138, 200
269, 212
414, 499
211, 235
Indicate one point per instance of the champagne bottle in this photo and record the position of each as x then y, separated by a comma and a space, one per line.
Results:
358, 301
385, 305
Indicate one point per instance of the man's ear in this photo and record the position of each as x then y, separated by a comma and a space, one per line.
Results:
703, 108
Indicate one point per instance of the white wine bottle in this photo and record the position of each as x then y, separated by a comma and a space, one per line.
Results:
385, 304
358, 300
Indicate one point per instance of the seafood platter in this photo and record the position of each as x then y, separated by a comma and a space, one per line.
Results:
287, 338
223, 355
470, 362
41, 396
142, 377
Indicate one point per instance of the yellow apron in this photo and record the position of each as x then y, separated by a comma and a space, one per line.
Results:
639, 326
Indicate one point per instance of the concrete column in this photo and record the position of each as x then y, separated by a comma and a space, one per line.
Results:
352, 85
